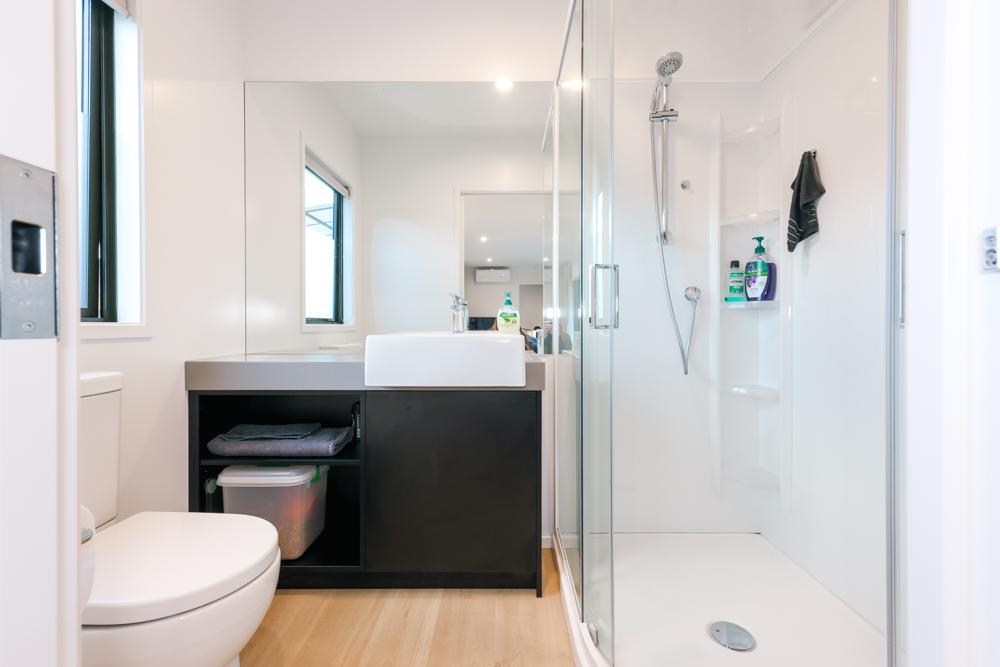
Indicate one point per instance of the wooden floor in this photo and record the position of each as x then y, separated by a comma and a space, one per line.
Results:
414, 628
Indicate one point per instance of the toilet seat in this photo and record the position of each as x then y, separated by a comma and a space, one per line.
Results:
158, 564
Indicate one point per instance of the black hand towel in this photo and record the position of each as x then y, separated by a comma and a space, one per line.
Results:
806, 189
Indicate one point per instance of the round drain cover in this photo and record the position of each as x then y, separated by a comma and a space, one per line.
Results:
731, 636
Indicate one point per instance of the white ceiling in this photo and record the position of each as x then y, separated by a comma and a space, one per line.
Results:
400, 40
444, 109
721, 40
512, 225
459, 40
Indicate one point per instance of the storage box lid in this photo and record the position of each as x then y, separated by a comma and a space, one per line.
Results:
270, 475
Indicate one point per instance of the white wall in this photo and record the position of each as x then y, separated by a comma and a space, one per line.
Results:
28, 385
194, 228
485, 300
952, 533
195, 59
279, 117
411, 191
836, 528
39, 531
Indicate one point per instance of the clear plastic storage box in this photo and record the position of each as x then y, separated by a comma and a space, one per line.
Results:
293, 498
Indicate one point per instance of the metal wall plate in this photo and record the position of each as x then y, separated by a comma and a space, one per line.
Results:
28, 300
731, 636
990, 249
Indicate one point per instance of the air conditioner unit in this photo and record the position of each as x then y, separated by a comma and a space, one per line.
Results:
492, 276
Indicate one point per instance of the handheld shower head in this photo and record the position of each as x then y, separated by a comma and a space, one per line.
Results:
669, 64
665, 67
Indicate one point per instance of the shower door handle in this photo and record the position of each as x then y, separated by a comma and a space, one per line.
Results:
614, 292
593, 295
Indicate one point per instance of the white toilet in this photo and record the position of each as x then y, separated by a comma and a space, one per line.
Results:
170, 588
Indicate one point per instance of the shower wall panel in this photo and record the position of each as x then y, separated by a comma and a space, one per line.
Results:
837, 97
662, 452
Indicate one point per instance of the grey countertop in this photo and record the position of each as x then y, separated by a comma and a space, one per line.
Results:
313, 371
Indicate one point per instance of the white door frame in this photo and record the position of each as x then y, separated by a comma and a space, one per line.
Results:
39, 531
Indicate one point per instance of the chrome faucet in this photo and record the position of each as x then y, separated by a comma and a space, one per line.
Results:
459, 313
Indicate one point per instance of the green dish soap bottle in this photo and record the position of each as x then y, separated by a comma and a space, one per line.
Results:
760, 274
507, 319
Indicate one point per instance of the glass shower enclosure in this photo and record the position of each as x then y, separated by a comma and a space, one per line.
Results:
749, 496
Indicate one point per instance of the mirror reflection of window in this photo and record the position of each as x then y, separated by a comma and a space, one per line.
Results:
324, 255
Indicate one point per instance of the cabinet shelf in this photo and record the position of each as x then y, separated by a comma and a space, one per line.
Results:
754, 391
759, 218
753, 133
750, 305
753, 476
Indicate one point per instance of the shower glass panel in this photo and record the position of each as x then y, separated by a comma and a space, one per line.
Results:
599, 322
749, 504
569, 323
750, 491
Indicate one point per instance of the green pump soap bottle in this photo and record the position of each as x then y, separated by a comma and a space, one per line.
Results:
507, 319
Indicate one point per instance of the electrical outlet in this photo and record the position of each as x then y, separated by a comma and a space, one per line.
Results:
990, 249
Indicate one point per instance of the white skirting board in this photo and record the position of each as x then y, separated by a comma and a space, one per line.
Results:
585, 654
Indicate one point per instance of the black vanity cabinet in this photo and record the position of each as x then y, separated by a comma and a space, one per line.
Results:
441, 489
452, 486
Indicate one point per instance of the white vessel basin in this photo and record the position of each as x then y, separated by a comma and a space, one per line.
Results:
444, 359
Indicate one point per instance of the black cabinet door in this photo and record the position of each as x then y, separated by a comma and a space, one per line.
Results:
452, 481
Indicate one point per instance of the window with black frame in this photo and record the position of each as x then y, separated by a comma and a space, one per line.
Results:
98, 299
324, 248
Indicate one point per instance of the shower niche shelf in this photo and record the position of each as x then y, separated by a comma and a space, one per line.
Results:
759, 477
750, 341
750, 219
750, 305
752, 133
754, 391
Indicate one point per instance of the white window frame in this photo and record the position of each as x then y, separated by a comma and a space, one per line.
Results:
131, 194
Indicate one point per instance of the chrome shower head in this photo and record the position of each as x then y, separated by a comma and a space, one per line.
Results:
692, 294
669, 64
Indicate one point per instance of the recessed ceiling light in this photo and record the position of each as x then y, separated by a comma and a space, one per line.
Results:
503, 84
489, 259
483, 239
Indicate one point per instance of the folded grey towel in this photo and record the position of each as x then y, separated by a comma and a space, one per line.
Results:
269, 432
323, 442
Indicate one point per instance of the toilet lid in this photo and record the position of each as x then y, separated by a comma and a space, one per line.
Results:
157, 564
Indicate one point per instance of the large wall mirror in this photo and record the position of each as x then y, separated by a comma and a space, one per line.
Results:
367, 203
